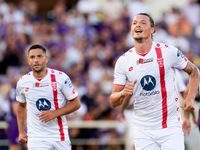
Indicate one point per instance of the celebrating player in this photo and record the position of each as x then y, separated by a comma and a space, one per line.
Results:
146, 73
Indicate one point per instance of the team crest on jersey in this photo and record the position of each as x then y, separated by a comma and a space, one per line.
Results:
43, 104
54, 85
160, 62
143, 61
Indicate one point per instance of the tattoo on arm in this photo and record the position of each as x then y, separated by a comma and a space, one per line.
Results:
195, 73
192, 70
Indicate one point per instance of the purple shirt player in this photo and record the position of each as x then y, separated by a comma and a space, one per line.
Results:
12, 121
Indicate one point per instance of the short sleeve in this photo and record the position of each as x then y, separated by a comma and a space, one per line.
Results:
67, 88
119, 74
180, 82
178, 59
19, 94
12, 95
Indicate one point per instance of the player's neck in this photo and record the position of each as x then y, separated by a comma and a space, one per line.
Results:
39, 75
143, 47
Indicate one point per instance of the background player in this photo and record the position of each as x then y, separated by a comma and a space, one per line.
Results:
42, 95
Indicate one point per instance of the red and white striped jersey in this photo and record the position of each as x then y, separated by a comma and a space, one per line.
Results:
50, 93
155, 93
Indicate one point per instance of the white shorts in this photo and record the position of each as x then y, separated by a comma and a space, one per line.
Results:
49, 145
129, 119
161, 139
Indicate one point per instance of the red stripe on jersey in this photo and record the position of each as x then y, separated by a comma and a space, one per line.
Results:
54, 86
163, 87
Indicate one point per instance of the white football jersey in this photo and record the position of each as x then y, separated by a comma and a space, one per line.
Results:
155, 93
50, 93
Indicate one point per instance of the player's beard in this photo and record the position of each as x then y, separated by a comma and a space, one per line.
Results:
139, 40
40, 70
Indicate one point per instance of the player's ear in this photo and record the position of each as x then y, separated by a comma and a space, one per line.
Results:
153, 30
47, 59
28, 61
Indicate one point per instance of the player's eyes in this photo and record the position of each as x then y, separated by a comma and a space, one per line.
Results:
143, 22
40, 56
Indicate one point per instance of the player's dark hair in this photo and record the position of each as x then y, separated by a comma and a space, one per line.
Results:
36, 46
150, 18
151, 21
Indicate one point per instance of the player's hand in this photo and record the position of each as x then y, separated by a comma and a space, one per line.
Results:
128, 89
47, 115
188, 105
194, 118
186, 126
23, 137
120, 117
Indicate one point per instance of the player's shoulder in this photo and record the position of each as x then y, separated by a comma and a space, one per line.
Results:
128, 53
57, 73
163, 46
25, 77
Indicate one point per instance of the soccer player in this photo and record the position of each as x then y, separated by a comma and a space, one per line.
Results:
45, 96
146, 74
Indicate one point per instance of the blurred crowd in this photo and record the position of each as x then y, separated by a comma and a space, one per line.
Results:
85, 42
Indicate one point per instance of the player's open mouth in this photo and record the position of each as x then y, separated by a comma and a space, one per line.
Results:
138, 31
36, 65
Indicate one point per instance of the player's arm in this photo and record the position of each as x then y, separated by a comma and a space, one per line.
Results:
186, 120
125, 105
193, 72
21, 121
120, 92
186, 123
14, 106
70, 107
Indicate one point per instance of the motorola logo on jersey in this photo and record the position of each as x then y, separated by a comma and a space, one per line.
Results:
148, 82
43, 104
